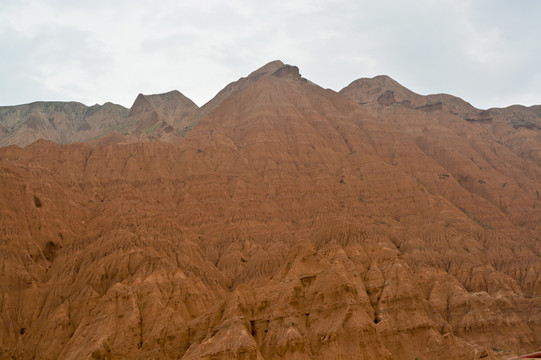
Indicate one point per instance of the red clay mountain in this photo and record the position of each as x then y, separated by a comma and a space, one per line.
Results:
278, 221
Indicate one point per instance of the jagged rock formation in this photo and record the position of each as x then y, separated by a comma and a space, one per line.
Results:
289, 223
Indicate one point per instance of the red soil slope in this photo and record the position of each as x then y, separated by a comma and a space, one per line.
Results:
290, 223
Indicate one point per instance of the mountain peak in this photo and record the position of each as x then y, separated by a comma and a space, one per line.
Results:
144, 103
382, 90
140, 104
383, 81
268, 68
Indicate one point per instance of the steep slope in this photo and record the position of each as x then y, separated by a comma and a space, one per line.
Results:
447, 244
289, 223
525, 136
238, 86
241, 84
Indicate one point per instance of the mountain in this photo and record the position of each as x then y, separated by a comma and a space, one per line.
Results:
150, 117
517, 127
383, 90
62, 122
290, 222
162, 114
166, 117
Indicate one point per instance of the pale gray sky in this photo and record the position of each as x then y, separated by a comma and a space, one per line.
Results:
486, 51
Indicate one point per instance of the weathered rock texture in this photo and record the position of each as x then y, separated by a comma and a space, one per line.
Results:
289, 223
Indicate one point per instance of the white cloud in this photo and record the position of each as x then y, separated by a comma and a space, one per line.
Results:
484, 51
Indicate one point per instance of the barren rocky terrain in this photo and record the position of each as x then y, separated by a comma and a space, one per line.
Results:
280, 220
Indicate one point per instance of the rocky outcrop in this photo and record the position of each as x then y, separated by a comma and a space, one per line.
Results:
387, 98
287, 70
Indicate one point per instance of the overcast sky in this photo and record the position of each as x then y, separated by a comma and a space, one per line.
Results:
486, 51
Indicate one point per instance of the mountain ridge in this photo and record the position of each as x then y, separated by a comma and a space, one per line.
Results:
13, 129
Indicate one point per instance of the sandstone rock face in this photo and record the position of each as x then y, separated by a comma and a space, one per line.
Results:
289, 223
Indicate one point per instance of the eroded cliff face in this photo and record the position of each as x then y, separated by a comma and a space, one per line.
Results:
289, 223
